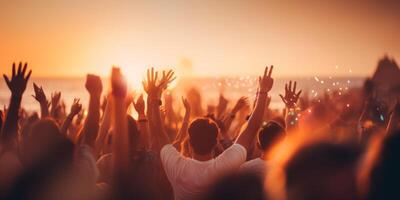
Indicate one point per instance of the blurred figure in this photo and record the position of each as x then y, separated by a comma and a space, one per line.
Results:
322, 171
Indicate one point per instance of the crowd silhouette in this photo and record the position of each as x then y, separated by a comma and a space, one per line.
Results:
339, 147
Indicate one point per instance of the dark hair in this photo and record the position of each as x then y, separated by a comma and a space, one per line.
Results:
243, 185
203, 134
269, 134
310, 170
385, 173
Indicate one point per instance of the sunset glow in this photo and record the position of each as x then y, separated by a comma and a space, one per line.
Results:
72, 38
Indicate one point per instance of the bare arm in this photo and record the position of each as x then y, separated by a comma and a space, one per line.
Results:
75, 109
55, 103
247, 136
91, 126
290, 100
104, 127
41, 98
143, 122
182, 134
120, 146
154, 92
17, 86
240, 104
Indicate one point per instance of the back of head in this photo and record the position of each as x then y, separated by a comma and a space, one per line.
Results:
270, 134
237, 186
322, 171
203, 134
385, 174
43, 135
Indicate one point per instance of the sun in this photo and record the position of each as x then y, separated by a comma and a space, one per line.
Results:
134, 77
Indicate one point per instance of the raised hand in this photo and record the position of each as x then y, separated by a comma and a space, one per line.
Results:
93, 85
118, 83
149, 84
19, 79
40, 96
139, 105
291, 96
266, 81
55, 99
241, 103
76, 107
153, 87
167, 78
186, 105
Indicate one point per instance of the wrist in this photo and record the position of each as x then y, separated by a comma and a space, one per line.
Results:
71, 116
263, 92
141, 116
16, 96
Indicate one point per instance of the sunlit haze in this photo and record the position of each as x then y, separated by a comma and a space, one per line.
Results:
206, 38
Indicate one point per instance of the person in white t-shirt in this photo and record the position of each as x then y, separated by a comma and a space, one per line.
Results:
191, 177
269, 135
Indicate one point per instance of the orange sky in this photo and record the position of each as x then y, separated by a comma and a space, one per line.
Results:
72, 38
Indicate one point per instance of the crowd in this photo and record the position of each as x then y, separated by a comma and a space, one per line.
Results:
343, 146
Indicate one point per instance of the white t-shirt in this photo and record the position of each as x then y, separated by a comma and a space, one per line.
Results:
190, 178
258, 166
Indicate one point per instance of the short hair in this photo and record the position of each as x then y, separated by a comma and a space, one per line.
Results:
322, 157
203, 134
269, 134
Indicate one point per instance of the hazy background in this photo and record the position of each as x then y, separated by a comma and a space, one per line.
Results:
204, 38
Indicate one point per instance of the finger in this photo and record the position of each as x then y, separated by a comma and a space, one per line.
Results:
170, 81
294, 87
298, 94
156, 76
19, 68
148, 75
29, 75
265, 71
7, 80
24, 69
286, 88
283, 99
13, 70
270, 71
290, 86
152, 74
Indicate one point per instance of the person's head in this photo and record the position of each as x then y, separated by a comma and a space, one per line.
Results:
269, 135
385, 174
243, 185
42, 135
203, 134
323, 171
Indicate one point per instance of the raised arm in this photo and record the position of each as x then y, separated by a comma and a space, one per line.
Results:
120, 146
17, 86
40, 97
91, 127
143, 122
240, 104
104, 126
55, 103
265, 84
182, 134
75, 109
154, 91
290, 100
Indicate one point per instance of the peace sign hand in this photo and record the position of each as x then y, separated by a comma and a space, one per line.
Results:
266, 81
